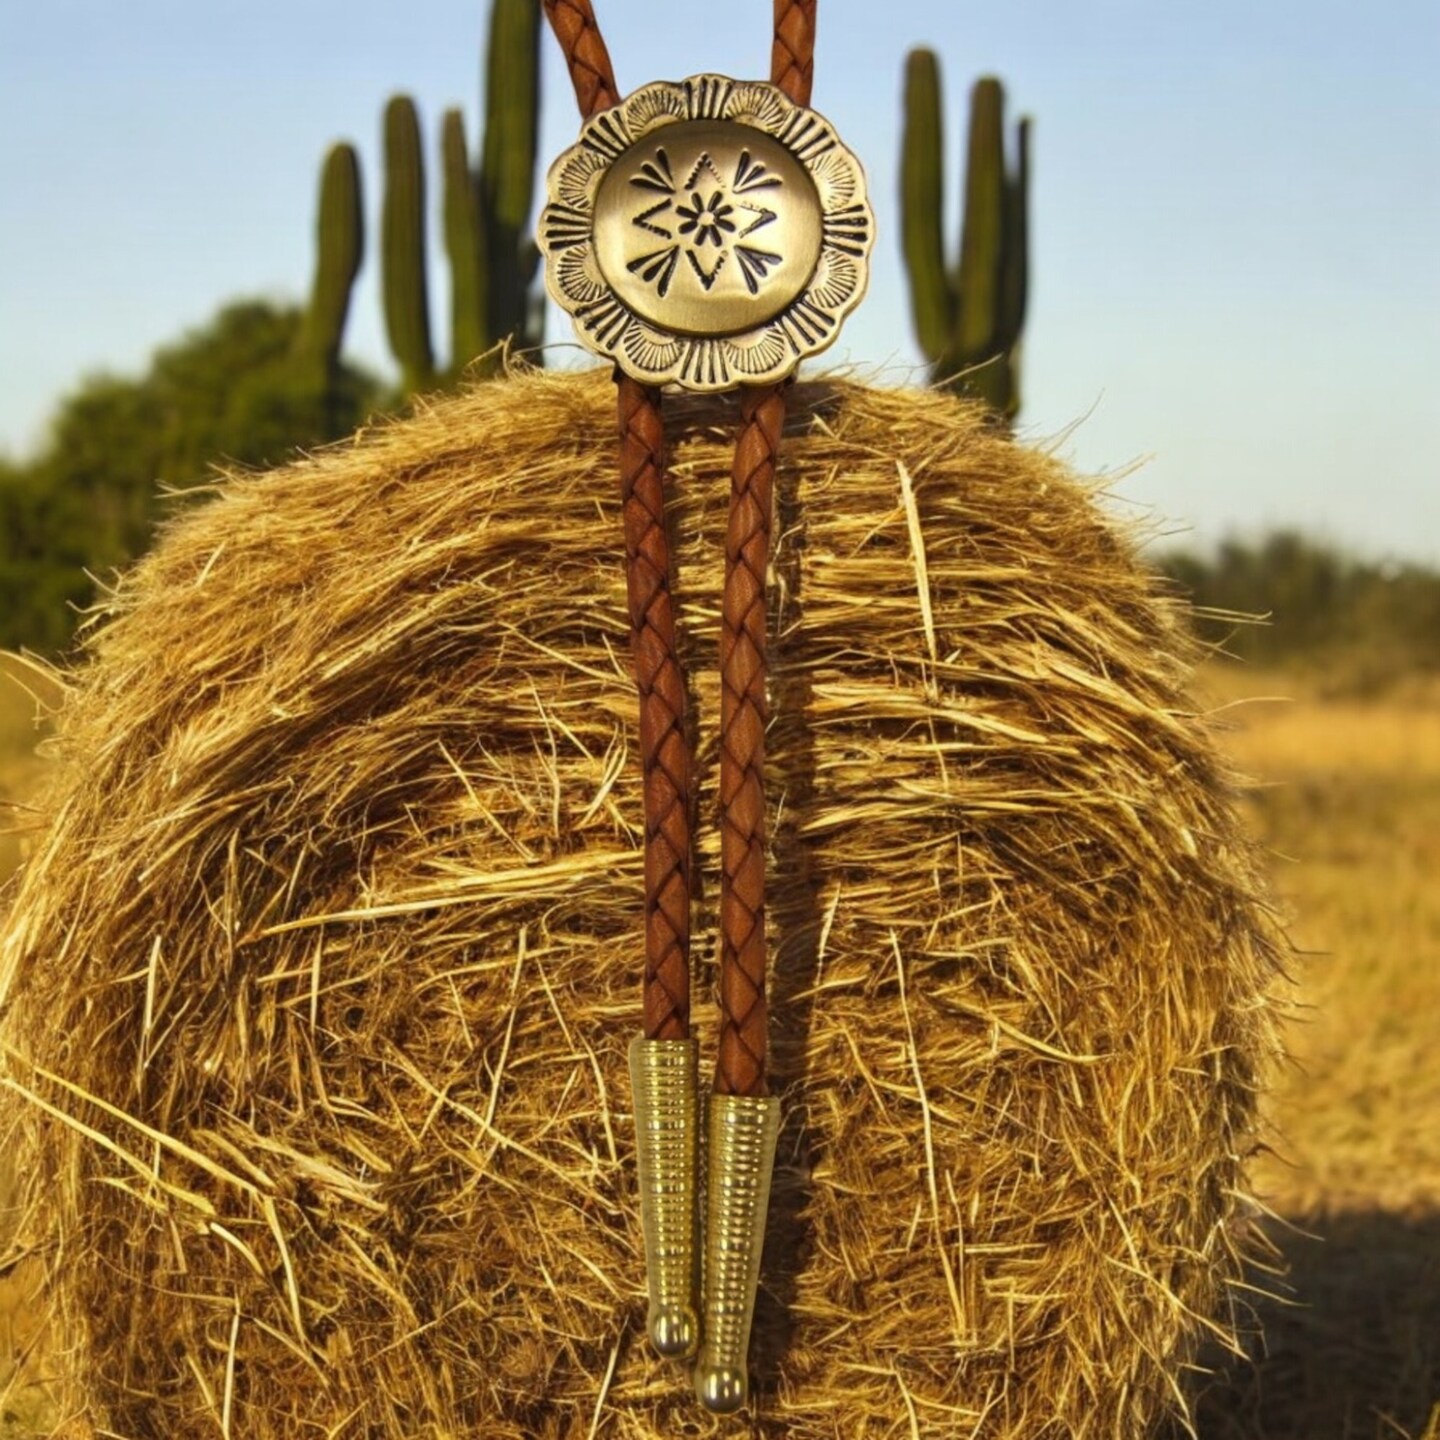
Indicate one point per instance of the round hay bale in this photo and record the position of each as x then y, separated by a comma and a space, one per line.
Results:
318, 984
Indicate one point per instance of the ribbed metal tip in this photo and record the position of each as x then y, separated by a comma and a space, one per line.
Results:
743, 1131
665, 1083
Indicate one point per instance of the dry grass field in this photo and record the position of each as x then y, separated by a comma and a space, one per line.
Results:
1348, 799
1349, 803
24, 1400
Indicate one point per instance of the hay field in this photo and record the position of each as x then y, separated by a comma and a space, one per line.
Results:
24, 1404
1350, 803
23, 690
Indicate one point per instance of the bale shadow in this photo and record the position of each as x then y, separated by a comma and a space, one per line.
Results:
1350, 1347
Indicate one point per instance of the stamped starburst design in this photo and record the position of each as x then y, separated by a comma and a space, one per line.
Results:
709, 233
705, 219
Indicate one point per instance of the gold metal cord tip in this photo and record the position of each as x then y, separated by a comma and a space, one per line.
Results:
743, 1131
665, 1083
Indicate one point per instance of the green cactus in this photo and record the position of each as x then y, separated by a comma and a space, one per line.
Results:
493, 261
339, 249
507, 168
464, 244
922, 203
969, 317
402, 246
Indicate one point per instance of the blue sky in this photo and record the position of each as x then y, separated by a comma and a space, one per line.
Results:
1236, 210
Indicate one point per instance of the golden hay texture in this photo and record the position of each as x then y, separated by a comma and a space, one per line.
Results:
318, 984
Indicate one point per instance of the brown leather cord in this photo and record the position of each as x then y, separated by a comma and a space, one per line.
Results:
586, 57
792, 54
665, 756
740, 1065
664, 747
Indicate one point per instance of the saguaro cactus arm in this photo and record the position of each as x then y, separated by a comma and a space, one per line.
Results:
407, 307
969, 317
922, 203
982, 231
339, 251
507, 170
465, 245
1015, 277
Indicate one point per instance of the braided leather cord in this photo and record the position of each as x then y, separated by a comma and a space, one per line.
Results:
664, 748
586, 57
740, 1064
665, 757
792, 55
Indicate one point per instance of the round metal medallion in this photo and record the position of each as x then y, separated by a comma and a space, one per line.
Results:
711, 233
707, 228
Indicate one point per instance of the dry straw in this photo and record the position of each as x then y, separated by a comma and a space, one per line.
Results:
318, 984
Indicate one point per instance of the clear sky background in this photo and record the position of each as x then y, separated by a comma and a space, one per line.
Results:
1235, 209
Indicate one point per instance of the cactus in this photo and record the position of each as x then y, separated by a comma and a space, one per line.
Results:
464, 243
969, 317
402, 240
339, 249
493, 262
507, 168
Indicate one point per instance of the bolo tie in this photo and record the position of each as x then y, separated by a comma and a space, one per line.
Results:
708, 235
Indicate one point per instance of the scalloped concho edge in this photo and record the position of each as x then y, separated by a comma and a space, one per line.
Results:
767, 353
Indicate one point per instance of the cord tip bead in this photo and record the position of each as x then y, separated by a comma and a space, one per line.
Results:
722, 1389
674, 1331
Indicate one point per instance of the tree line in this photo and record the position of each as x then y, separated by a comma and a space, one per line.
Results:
1290, 600
122, 453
